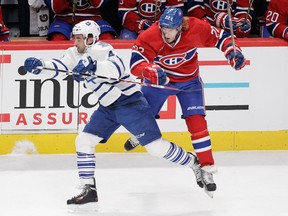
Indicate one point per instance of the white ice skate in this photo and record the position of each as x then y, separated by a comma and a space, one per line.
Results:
207, 179
197, 170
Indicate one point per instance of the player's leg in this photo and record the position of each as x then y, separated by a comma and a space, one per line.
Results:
201, 142
88, 198
127, 34
155, 98
142, 124
59, 31
107, 31
193, 109
85, 148
172, 152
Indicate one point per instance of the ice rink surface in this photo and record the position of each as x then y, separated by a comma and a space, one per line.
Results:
250, 183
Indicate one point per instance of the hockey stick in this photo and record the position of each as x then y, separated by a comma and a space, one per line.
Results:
74, 11
248, 11
231, 26
155, 12
21, 70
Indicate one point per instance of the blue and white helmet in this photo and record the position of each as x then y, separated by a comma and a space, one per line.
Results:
171, 18
86, 28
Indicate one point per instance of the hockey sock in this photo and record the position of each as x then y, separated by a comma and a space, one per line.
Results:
201, 142
86, 167
176, 154
164, 149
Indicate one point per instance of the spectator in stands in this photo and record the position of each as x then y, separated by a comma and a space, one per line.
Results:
4, 31
69, 12
277, 18
39, 17
215, 12
138, 15
258, 25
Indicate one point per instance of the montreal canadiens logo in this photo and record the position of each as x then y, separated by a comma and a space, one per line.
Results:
82, 5
147, 8
219, 5
175, 60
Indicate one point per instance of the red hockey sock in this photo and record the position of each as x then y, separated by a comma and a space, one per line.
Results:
201, 142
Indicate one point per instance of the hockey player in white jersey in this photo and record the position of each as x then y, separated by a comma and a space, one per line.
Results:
121, 103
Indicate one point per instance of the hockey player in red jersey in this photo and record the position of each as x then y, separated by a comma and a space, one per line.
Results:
171, 59
138, 15
277, 18
4, 31
69, 12
215, 12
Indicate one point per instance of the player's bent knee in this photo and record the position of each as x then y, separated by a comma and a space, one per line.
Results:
86, 142
158, 147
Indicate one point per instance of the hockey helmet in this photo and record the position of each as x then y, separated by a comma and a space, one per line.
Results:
171, 18
86, 28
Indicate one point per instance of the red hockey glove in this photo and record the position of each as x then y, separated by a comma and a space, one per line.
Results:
143, 24
222, 21
243, 29
155, 74
236, 60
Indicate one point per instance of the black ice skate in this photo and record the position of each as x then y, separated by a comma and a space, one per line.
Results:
207, 178
130, 145
87, 200
197, 170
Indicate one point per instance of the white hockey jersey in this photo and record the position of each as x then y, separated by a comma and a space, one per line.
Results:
109, 64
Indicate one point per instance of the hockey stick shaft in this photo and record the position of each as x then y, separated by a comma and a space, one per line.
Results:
74, 11
155, 12
69, 72
231, 26
248, 11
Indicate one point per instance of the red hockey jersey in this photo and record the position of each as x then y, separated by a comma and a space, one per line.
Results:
130, 11
277, 18
180, 61
211, 8
85, 9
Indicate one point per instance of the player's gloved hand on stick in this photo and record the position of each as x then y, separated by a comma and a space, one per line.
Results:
155, 74
236, 60
143, 24
85, 67
31, 65
243, 28
222, 21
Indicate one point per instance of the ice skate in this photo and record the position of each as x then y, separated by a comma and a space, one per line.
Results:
197, 170
130, 145
87, 200
207, 179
